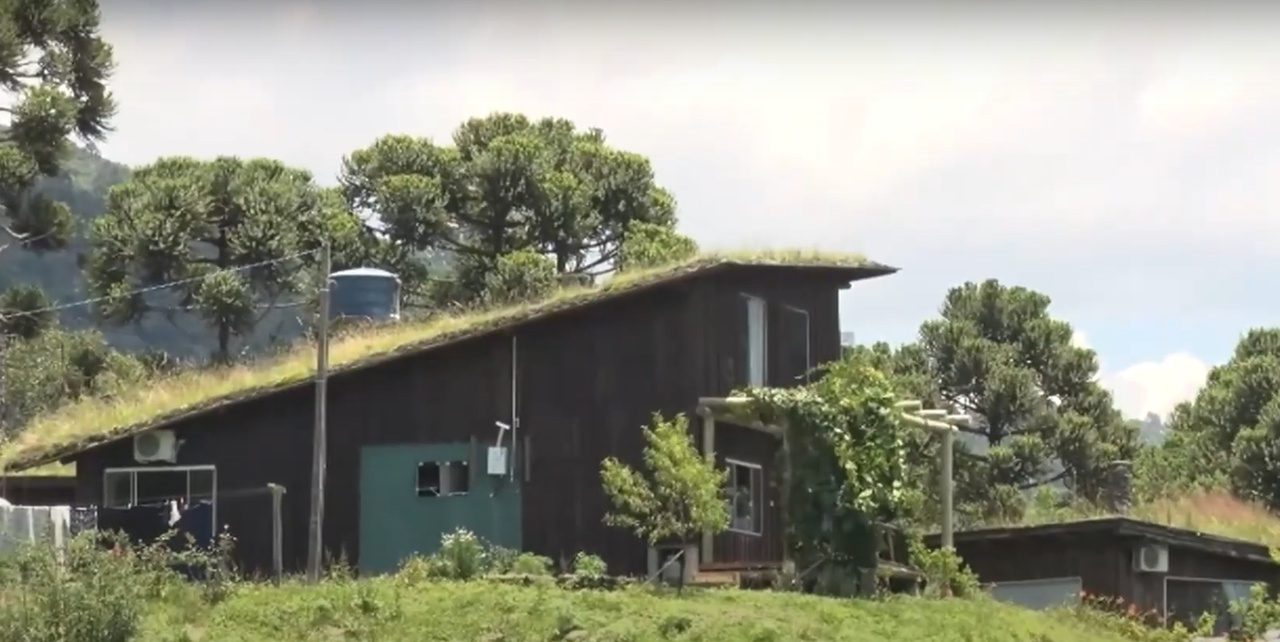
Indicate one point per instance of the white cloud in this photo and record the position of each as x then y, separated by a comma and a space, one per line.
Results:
1156, 386
1150, 386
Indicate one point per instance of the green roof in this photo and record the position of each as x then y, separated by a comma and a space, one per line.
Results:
94, 421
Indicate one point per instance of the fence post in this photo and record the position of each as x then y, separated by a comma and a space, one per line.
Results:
277, 535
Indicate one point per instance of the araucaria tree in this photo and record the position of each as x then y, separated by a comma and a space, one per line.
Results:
1038, 411
680, 497
1230, 433
53, 69
182, 219
506, 184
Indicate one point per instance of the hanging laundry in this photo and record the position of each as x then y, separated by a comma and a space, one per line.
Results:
142, 524
197, 521
26, 525
83, 518
16, 528
60, 524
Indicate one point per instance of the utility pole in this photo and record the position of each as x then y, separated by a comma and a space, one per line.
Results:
318, 457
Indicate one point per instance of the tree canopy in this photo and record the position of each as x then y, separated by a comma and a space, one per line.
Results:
679, 498
1230, 432
1039, 416
186, 220
54, 68
506, 184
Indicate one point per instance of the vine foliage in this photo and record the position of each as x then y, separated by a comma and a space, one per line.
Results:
845, 446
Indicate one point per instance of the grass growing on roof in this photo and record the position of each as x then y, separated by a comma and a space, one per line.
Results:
93, 420
1216, 512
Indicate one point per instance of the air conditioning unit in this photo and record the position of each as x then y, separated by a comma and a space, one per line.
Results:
155, 445
1151, 558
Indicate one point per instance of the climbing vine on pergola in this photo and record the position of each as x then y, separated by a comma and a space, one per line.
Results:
843, 453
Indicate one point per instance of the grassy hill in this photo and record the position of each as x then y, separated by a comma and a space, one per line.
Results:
390, 609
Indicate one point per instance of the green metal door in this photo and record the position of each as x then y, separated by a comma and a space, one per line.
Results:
397, 519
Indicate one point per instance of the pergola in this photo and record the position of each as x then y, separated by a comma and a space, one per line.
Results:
736, 411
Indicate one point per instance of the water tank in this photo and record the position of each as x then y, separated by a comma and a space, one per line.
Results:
367, 293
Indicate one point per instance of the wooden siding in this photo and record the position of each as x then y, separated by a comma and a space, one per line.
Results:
589, 386
1104, 563
23, 490
753, 447
588, 381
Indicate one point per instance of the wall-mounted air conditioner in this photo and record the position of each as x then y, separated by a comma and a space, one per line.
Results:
155, 445
1151, 558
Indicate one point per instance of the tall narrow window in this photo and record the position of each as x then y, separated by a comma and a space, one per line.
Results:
757, 341
746, 497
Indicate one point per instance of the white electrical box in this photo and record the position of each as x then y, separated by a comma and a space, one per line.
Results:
497, 460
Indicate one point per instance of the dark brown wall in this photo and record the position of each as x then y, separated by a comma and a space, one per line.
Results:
588, 382
1098, 560
752, 446
22, 490
450, 396
1103, 562
252, 444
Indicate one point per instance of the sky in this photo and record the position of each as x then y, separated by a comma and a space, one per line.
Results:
1120, 161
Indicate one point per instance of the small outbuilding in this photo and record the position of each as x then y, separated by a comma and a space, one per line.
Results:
1175, 573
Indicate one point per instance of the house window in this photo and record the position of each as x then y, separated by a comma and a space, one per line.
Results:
746, 497
439, 478
757, 340
125, 487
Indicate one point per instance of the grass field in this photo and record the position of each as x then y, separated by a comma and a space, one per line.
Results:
390, 609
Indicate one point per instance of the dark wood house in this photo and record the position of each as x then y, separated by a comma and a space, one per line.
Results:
414, 429
1173, 573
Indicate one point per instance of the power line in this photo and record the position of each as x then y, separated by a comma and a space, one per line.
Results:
153, 288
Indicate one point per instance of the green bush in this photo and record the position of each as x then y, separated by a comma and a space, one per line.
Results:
91, 593
946, 574
530, 564
587, 565
1258, 613
462, 555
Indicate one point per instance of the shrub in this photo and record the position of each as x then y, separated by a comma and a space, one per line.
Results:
587, 565
88, 592
946, 574
1258, 613
530, 564
680, 498
462, 555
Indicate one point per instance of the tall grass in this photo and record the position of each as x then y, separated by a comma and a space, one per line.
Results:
1215, 512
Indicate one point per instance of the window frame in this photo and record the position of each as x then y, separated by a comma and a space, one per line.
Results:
756, 485
762, 340
132, 472
444, 489
808, 340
